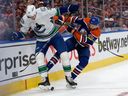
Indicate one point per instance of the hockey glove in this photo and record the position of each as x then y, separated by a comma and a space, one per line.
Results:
18, 36
56, 20
73, 8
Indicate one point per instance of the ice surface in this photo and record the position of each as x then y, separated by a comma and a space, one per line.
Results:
108, 81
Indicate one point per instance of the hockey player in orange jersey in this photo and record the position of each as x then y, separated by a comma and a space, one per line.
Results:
84, 33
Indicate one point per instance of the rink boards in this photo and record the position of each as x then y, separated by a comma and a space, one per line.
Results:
16, 56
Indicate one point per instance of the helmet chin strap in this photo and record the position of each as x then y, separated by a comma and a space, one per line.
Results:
34, 17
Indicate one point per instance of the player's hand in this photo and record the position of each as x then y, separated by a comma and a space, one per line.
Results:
56, 20
73, 8
17, 36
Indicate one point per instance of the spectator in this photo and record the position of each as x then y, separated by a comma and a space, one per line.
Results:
5, 32
95, 7
58, 3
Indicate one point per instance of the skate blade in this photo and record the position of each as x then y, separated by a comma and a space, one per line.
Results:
71, 87
46, 88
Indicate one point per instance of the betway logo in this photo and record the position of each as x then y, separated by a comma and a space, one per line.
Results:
112, 44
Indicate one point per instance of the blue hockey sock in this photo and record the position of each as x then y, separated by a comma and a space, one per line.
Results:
77, 70
52, 62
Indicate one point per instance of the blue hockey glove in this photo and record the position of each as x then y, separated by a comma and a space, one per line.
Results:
73, 8
18, 35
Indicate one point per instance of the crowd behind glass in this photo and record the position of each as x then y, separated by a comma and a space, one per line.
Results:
113, 13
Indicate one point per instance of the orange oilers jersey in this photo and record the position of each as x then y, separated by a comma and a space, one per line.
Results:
89, 36
84, 35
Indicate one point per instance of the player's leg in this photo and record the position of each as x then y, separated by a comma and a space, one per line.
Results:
61, 47
41, 49
70, 43
54, 60
84, 54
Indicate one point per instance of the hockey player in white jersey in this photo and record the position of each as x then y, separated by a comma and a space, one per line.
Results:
46, 34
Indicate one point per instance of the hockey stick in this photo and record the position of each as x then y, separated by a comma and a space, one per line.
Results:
64, 23
99, 44
24, 68
106, 49
102, 46
35, 56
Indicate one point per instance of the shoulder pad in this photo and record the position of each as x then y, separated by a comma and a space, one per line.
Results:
41, 9
87, 20
96, 33
24, 20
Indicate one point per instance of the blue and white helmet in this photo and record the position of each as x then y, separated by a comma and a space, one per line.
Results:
31, 10
94, 20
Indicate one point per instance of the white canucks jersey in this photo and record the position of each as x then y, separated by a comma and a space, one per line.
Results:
43, 28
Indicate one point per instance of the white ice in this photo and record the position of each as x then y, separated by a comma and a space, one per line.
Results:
107, 81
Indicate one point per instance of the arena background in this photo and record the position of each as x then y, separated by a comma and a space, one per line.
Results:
15, 55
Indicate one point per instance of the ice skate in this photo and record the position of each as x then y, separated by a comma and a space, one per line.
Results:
70, 83
46, 85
